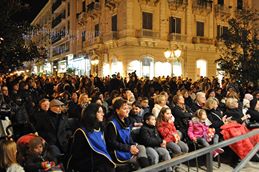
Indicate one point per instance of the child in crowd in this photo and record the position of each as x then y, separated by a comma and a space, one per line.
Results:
149, 137
8, 161
144, 105
135, 115
166, 128
199, 131
37, 158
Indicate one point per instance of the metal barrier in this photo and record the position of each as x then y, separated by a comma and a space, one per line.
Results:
206, 150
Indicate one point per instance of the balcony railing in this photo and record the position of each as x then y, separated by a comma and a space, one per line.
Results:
56, 5
146, 34
93, 6
58, 36
202, 40
58, 19
177, 37
202, 5
111, 3
111, 36
177, 3
81, 17
222, 10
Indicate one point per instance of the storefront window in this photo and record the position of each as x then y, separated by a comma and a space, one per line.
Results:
177, 68
117, 67
163, 69
201, 68
106, 69
62, 66
148, 67
135, 66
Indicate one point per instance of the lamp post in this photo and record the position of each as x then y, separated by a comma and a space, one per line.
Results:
173, 54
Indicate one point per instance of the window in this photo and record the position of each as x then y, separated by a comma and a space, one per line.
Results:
200, 28
221, 30
147, 20
83, 36
240, 4
221, 2
68, 27
96, 30
114, 23
68, 9
83, 6
174, 25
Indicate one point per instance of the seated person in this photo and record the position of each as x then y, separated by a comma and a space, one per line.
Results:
232, 128
167, 130
253, 111
149, 137
118, 138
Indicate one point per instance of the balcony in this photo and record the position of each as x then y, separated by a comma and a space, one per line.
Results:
202, 6
222, 10
58, 19
144, 33
177, 37
57, 4
114, 35
149, 2
202, 40
93, 9
81, 17
111, 4
58, 36
177, 4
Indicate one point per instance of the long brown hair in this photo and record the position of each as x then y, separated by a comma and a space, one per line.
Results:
160, 118
8, 153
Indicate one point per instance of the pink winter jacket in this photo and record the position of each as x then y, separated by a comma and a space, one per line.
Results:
197, 129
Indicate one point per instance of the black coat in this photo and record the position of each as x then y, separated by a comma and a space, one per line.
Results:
182, 118
84, 159
149, 136
215, 118
254, 115
55, 129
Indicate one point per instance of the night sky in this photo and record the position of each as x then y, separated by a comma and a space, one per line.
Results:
34, 7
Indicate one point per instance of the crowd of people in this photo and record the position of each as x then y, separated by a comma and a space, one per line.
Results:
81, 123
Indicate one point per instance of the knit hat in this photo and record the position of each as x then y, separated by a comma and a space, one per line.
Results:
248, 96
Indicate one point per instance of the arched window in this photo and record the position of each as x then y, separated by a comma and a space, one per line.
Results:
163, 69
201, 68
148, 67
135, 65
177, 68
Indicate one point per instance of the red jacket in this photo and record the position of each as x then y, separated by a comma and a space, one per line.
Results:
243, 147
167, 131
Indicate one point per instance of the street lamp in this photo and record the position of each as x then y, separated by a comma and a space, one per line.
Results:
172, 54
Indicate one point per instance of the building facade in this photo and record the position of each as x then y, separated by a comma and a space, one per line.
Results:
109, 36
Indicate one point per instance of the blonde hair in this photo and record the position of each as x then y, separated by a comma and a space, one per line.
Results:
211, 102
199, 113
230, 103
81, 97
8, 152
159, 98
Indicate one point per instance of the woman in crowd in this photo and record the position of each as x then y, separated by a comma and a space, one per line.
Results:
167, 130
119, 140
160, 102
89, 152
182, 114
214, 114
253, 111
8, 161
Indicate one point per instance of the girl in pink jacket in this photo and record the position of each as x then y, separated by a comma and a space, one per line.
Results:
199, 131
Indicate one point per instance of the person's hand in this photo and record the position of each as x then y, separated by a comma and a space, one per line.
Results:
134, 150
194, 140
224, 118
163, 144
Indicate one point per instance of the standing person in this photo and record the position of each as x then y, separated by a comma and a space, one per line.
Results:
199, 131
167, 130
8, 161
89, 152
149, 137
119, 140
